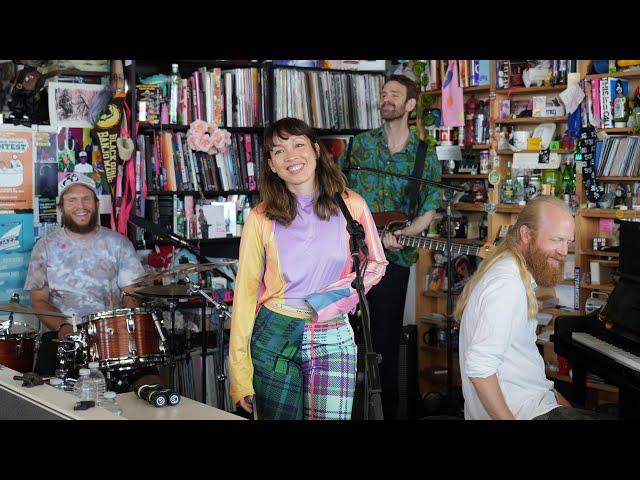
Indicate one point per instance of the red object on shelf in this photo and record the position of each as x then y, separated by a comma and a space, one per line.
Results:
563, 366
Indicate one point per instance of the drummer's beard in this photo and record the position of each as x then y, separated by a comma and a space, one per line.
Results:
68, 222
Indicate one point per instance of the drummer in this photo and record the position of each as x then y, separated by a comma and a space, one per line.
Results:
80, 269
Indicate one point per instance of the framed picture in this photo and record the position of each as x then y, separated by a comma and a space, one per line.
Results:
69, 103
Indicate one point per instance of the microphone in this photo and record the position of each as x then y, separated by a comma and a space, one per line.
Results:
353, 227
158, 395
158, 230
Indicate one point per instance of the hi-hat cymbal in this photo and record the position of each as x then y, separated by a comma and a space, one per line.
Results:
183, 269
169, 291
18, 308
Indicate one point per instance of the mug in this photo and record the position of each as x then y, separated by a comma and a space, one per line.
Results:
520, 139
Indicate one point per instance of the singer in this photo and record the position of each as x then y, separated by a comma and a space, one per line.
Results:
394, 147
292, 354
80, 269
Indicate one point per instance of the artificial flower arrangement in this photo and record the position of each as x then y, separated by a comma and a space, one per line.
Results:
207, 137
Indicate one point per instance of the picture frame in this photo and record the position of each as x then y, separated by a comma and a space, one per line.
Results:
69, 103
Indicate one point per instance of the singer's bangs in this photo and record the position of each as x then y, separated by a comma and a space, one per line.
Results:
285, 128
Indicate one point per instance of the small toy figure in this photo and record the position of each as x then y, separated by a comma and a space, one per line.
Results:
25, 95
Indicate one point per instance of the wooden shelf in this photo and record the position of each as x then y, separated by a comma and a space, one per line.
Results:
608, 213
599, 253
628, 74
530, 90
480, 146
557, 312
507, 208
477, 89
616, 130
511, 152
437, 294
469, 207
603, 287
474, 89
464, 176
529, 120
618, 179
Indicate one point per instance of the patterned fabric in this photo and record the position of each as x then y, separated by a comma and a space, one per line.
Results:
78, 272
267, 275
303, 369
386, 193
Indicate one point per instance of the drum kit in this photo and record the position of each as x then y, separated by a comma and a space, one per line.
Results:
120, 340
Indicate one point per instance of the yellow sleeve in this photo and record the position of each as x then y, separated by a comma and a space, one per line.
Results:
245, 298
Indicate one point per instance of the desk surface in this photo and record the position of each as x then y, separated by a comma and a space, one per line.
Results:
60, 404
135, 408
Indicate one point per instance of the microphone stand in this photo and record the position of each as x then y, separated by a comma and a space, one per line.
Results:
448, 195
372, 386
183, 243
222, 312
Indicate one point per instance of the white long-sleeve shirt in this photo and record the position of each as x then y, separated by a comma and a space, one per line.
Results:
496, 337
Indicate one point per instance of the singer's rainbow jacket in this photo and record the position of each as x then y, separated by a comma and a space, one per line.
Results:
307, 264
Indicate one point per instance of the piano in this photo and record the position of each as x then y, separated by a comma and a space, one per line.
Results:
613, 354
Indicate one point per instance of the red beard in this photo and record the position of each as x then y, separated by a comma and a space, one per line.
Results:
543, 273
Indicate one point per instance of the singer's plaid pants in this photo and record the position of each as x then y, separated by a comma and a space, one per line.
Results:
302, 369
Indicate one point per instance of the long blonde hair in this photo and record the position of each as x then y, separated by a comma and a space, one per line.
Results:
530, 216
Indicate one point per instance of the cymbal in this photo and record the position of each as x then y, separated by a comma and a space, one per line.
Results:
170, 291
18, 308
183, 269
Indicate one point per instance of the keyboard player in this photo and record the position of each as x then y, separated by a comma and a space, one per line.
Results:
503, 373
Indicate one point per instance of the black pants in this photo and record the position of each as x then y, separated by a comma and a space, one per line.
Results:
386, 305
564, 413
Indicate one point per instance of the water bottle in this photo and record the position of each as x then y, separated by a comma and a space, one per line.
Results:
174, 92
109, 403
85, 387
57, 383
100, 381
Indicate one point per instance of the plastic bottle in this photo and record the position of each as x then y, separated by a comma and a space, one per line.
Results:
57, 383
174, 85
100, 381
85, 387
109, 403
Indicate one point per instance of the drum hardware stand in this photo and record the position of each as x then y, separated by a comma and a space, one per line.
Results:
222, 311
448, 193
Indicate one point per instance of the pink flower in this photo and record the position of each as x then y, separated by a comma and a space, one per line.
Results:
221, 140
212, 127
192, 141
204, 143
198, 128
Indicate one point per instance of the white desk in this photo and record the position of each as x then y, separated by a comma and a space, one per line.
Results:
44, 402
135, 408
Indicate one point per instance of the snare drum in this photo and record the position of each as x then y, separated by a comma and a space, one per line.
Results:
17, 345
123, 339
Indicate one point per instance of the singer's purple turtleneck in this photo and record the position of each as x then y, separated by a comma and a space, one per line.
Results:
310, 238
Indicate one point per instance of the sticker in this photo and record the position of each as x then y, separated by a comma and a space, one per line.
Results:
491, 208
494, 177
620, 213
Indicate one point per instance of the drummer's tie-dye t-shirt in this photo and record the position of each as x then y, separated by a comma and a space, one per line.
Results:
83, 276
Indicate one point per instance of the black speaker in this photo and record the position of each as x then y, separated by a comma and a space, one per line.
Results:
408, 396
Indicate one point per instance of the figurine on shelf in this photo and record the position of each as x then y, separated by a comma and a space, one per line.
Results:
25, 94
470, 108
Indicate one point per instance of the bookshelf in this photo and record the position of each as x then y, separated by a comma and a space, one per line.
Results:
503, 214
332, 101
229, 93
596, 222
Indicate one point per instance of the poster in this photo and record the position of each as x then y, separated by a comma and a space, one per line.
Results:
16, 170
69, 103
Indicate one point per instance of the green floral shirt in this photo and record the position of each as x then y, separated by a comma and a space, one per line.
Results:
386, 193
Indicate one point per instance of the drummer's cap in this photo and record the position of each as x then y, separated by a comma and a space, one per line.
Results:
75, 179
